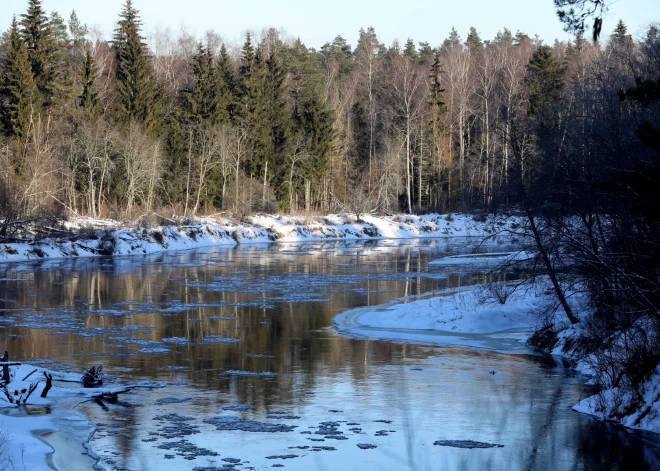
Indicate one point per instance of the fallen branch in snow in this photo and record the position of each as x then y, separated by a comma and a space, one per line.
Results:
30, 374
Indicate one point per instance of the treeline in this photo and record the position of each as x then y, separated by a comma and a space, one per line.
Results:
114, 128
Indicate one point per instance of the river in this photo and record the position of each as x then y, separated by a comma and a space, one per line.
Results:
248, 372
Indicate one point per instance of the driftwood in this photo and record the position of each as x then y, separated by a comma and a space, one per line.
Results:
49, 384
93, 377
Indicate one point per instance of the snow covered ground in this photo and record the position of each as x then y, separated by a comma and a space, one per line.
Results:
94, 237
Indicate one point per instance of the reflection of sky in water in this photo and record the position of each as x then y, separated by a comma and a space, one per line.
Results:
263, 313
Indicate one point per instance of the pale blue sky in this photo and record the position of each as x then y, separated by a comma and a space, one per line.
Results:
317, 22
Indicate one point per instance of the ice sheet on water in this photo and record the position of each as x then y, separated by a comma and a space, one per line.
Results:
172, 400
236, 423
267, 374
153, 350
214, 339
178, 307
176, 340
466, 444
238, 408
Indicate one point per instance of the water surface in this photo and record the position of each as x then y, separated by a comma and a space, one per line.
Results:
183, 320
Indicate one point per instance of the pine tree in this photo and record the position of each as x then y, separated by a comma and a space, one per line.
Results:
140, 96
505, 36
521, 38
19, 90
340, 51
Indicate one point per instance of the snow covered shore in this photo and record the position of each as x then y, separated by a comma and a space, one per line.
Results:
90, 237
39, 433
472, 317
464, 317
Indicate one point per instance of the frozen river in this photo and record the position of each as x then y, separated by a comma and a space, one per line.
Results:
250, 374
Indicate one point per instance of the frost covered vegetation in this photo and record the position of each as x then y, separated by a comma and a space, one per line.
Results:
565, 137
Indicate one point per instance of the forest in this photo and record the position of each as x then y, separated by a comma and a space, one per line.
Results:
111, 128
565, 135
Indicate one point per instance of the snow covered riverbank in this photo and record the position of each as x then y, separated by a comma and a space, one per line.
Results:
472, 317
465, 317
89, 238
44, 433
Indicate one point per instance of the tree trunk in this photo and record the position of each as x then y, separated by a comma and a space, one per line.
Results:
552, 274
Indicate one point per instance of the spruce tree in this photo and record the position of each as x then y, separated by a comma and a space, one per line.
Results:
425, 53
202, 98
409, 49
89, 98
316, 121
620, 35
61, 86
253, 114
228, 83
139, 94
37, 34
279, 114
473, 41
545, 81
19, 90
437, 98
454, 39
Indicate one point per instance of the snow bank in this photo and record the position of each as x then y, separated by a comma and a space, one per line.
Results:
471, 317
93, 237
467, 317
623, 407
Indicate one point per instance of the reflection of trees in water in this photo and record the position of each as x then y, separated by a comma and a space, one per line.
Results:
606, 446
151, 283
